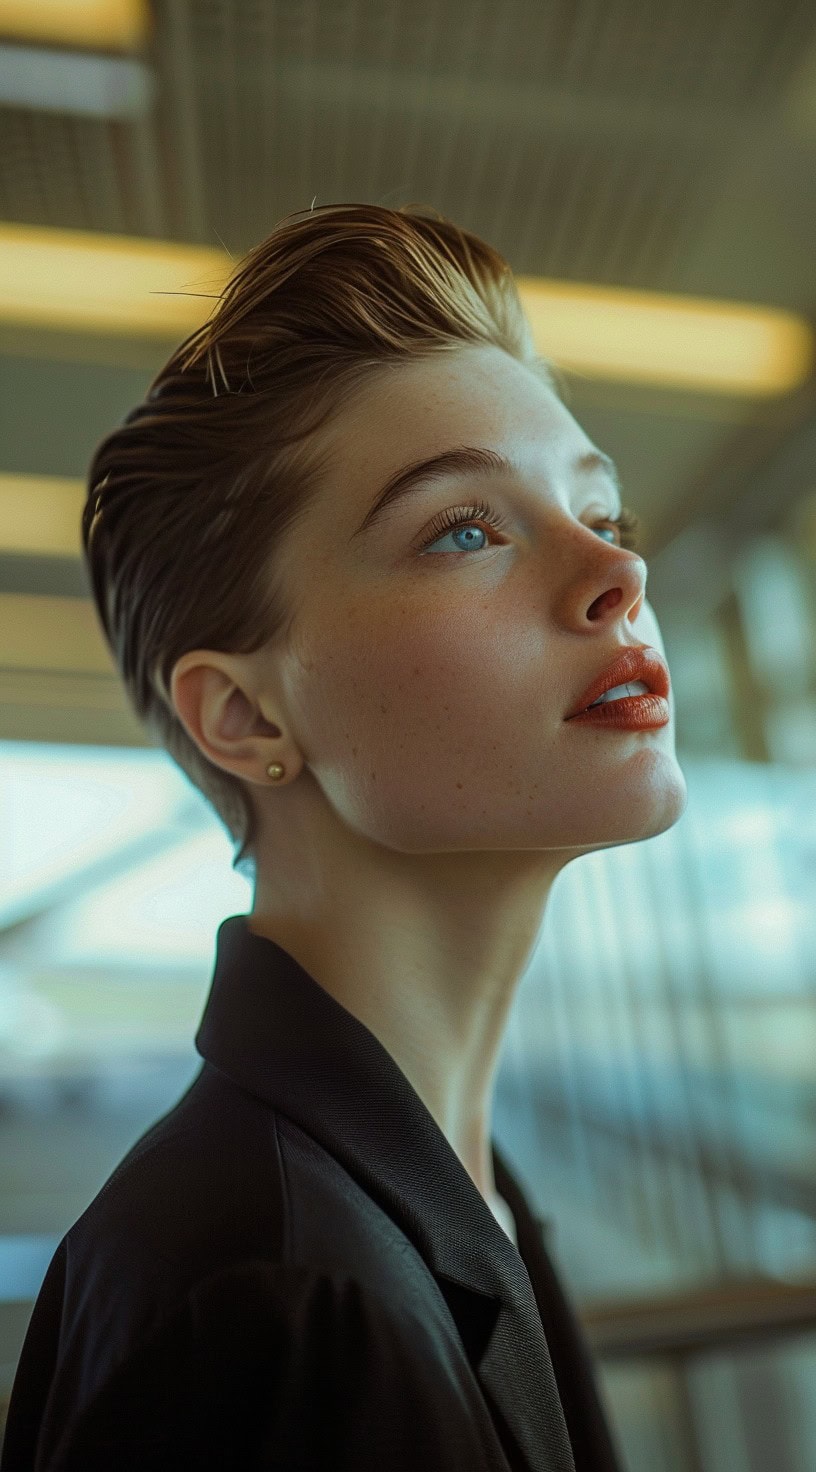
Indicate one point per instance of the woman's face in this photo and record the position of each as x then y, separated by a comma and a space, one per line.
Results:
429, 671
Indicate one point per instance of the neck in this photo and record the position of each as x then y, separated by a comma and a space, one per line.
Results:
426, 950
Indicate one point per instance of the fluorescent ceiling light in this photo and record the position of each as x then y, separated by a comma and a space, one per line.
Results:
104, 25
76, 82
53, 635
40, 515
87, 282
682, 342
82, 281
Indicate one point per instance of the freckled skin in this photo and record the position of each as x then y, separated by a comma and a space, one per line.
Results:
433, 789
455, 681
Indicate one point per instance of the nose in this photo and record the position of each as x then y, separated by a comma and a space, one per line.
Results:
608, 591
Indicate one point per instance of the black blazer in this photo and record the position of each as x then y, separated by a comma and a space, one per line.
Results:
293, 1270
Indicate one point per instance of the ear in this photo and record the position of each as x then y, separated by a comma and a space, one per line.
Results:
215, 701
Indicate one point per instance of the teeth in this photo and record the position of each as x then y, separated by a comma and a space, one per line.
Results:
619, 692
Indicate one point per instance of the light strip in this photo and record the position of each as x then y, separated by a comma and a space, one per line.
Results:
671, 341
104, 25
60, 635
82, 281
119, 285
40, 515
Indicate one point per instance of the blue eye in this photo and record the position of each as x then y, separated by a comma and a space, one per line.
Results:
624, 528
469, 532
457, 517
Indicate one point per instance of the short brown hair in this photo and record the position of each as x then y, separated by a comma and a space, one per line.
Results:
189, 498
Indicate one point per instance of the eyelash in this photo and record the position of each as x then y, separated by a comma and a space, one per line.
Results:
628, 524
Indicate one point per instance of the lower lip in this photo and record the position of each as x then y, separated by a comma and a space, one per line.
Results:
633, 713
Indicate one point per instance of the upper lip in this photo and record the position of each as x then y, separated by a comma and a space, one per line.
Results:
643, 663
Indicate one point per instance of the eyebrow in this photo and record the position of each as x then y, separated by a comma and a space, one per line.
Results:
465, 460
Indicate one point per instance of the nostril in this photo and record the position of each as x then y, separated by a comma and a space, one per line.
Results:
610, 599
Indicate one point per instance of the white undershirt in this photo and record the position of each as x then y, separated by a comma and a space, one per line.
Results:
504, 1217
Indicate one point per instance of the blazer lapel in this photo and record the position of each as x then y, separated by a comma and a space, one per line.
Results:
588, 1423
273, 1029
489, 1293
517, 1375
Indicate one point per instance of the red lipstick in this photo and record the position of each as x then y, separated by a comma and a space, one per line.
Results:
632, 713
643, 712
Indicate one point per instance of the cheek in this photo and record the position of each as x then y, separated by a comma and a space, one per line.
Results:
403, 681
405, 709
647, 628
441, 678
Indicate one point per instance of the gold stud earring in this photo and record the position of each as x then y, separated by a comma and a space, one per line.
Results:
275, 771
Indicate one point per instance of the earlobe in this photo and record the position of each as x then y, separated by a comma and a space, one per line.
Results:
216, 702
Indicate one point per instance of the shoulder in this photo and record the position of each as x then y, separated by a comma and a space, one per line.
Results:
278, 1366
227, 1254
224, 1179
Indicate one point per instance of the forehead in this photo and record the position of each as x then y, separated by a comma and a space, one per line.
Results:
473, 394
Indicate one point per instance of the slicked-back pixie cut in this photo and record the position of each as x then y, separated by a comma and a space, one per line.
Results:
190, 498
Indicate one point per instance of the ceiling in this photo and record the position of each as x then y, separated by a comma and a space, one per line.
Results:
668, 146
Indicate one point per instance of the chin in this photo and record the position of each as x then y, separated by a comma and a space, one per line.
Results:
647, 801
654, 799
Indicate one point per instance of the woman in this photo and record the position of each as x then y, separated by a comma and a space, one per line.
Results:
363, 575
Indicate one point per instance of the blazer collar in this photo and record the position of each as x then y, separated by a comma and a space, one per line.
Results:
278, 1034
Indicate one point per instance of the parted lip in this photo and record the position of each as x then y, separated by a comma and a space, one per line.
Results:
643, 663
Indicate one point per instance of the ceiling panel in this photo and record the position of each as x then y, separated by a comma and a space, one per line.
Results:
588, 141
670, 147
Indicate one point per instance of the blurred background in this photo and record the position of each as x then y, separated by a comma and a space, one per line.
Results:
649, 171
